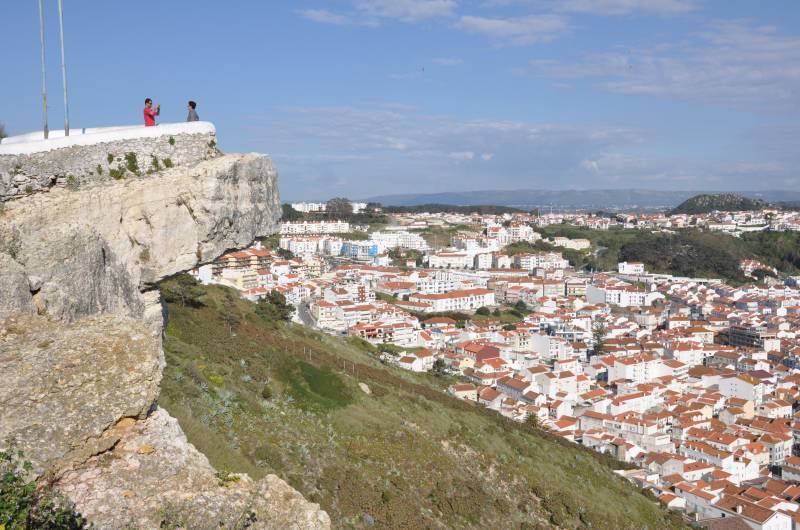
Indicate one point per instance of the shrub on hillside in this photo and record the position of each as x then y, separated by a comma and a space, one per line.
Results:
183, 289
274, 307
24, 504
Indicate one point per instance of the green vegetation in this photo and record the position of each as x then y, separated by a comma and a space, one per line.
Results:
183, 290
688, 253
117, 173
354, 236
713, 254
110, 158
26, 504
171, 140
778, 249
400, 256
526, 247
72, 182
167, 163
131, 163
155, 163
99, 169
726, 202
270, 242
28, 189
274, 307
289, 214
339, 208
274, 397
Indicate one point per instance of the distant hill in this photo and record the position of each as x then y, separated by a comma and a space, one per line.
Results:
727, 202
580, 200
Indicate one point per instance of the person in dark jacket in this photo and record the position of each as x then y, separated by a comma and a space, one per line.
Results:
192, 112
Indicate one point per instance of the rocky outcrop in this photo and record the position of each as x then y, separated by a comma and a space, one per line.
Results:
29, 164
154, 475
80, 342
95, 250
66, 387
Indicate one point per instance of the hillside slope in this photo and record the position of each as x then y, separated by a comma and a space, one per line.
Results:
261, 396
724, 202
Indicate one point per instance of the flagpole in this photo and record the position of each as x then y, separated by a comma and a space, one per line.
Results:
44, 79
63, 67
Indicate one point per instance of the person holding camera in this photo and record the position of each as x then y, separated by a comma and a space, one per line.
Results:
150, 113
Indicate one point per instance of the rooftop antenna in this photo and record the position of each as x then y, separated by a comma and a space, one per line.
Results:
44, 79
63, 65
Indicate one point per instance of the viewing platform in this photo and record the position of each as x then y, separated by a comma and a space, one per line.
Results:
29, 163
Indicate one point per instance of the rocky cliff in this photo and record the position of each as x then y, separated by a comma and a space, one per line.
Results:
80, 341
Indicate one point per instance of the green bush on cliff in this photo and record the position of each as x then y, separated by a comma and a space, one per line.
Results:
24, 504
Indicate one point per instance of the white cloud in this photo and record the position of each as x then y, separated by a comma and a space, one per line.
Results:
607, 7
407, 10
323, 16
626, 7
461, 156
333, 151
518, 31
733, 63
447, 61
382, 150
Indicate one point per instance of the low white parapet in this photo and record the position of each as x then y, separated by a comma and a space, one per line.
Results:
30, 164
26, 144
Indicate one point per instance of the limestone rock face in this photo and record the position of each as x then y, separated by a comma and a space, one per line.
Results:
65, 387
80, 342
15, 294
95, 250
153, 475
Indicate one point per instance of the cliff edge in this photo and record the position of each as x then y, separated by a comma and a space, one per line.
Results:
81, 320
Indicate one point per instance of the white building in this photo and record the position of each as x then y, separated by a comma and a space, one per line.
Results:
623, 295
399, 239
630, 267
462, 300
450, 260
314, 227
308, 207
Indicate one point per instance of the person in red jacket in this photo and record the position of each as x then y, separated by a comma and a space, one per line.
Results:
150, 113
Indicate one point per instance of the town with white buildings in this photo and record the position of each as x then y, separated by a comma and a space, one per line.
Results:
692, 381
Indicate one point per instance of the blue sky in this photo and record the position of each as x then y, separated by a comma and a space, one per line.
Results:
367, 97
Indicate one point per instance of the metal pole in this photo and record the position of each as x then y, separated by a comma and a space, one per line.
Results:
63, 67
44, 79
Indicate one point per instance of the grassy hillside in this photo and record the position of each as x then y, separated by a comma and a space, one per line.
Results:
260, 396
724, 202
